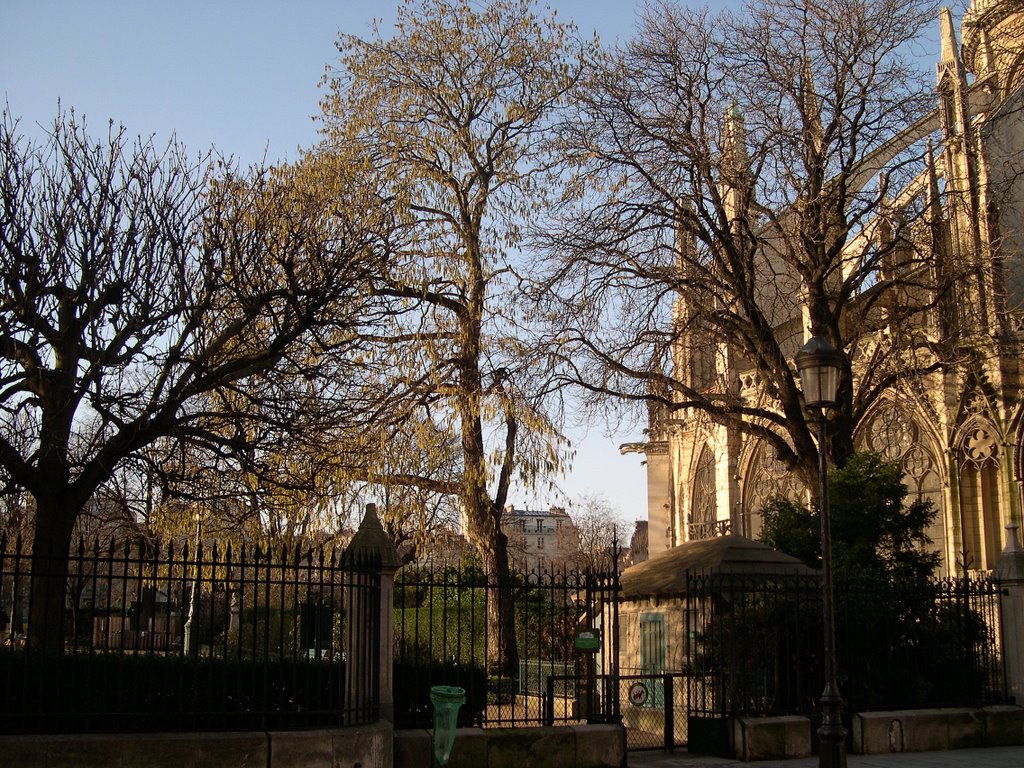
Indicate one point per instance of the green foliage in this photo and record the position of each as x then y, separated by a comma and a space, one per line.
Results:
901, 643
792, 528
442, 626
442, 616
904, 640
874, 530
763, 638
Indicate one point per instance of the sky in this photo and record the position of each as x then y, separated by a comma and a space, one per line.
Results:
242, 77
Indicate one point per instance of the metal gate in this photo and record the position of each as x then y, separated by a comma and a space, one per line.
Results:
654, 709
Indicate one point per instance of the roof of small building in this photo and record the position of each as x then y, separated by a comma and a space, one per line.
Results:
552, 512
665, 573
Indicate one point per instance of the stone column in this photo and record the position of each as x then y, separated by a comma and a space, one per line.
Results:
1010, 574
371, 544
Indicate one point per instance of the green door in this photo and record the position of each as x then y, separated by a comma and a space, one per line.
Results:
652, 656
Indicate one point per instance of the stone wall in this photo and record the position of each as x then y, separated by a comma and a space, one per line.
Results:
909, 730
571, 746
357, 747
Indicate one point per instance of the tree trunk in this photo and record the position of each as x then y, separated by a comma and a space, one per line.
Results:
50, 547
502, 651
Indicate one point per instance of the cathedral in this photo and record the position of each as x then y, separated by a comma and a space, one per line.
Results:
958, 431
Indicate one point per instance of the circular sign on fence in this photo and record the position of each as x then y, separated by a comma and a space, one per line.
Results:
638, 694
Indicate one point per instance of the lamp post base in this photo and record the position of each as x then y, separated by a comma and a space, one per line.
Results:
831, 747
831, 734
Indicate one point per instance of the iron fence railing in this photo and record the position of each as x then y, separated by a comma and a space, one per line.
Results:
166, 637
445, 634
754, 643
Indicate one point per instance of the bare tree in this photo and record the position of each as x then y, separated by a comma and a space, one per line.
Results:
598, 529
149, 299
447, 116
737, 184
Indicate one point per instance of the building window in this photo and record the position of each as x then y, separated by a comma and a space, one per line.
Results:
767, 478
703, 512
540, 542
980, 513
900, 438
540, 524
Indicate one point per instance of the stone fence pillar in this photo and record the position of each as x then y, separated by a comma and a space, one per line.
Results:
371, 544
1010, 575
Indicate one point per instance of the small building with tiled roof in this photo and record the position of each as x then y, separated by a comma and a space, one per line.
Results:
666, 602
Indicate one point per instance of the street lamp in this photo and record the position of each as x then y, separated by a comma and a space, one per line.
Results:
818, 363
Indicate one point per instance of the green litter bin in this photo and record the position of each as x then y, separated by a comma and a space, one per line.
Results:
446, 700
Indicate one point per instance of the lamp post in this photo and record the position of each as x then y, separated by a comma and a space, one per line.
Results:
818, 363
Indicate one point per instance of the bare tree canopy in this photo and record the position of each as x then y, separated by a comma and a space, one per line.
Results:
149, 300
447, 116
732, 191
599, 530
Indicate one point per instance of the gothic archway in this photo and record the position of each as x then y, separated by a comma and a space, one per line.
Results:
978, 464
704, 498
899, 437
765, 478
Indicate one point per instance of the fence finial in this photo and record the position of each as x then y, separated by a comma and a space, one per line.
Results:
371, 541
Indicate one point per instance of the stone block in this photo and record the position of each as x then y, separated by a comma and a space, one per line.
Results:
300, 749
877, 733
469, 749
185, 750
194, 750
85, 752
772, 738
363, 747
600, 746
28, 751
1004, 725
412, 749
367, 746
918, 730
965, 729
536, 747
925, 730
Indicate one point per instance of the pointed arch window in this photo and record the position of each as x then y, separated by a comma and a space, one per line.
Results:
980, 508
767, 478
704, 502
900, 438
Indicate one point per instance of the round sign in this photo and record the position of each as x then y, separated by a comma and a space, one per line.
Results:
638, 694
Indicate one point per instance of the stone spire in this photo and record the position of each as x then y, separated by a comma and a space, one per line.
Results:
947, 40
735, 164
734, 139
811, 109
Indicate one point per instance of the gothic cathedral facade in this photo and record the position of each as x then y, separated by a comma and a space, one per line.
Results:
958, 433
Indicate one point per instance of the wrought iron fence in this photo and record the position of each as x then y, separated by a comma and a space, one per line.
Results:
169, 637
906, 645
754, 644
445, 634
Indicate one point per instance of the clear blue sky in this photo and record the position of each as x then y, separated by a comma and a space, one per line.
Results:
242, 76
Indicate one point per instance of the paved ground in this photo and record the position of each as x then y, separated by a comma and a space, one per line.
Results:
995, 757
